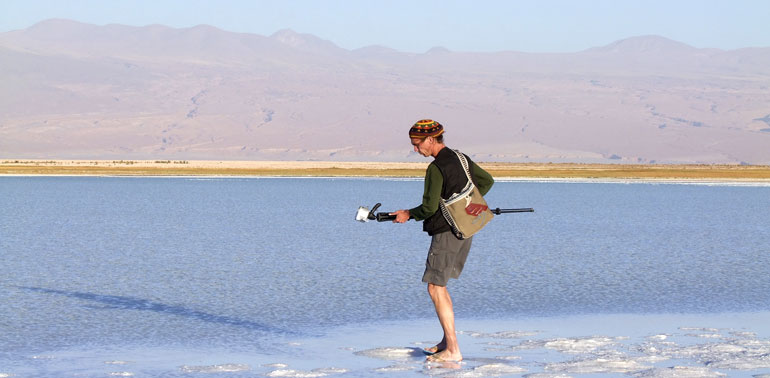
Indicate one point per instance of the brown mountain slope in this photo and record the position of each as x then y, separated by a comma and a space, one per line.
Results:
74, 90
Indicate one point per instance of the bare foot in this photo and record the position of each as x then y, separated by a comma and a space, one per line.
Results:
445, 356
435, 349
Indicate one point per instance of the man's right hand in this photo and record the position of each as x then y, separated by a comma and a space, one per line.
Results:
401, 216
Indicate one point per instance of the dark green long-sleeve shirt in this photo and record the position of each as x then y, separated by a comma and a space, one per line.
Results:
434, 181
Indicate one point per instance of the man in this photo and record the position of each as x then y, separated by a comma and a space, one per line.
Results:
447, 254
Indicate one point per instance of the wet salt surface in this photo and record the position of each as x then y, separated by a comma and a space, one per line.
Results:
574, 346
582, 346
244, 277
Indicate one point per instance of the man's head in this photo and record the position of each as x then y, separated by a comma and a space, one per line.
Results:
427, 137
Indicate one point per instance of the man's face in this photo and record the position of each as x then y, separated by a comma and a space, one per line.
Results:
422, 146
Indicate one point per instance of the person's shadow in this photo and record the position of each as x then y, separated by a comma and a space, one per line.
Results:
115, 302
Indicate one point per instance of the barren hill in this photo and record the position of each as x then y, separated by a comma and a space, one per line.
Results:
72, 90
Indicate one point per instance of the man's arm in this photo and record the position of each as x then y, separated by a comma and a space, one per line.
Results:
482, 178
434, 181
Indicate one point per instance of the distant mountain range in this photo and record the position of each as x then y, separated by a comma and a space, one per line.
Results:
73, 90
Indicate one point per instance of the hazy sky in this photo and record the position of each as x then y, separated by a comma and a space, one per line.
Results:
416, 26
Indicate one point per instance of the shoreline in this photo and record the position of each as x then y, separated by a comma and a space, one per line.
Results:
572, 180
506, 171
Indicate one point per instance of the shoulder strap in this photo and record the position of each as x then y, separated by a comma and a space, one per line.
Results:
464, 162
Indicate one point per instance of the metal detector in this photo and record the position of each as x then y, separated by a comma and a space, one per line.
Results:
364, 214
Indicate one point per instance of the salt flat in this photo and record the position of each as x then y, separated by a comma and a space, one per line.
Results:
692, 172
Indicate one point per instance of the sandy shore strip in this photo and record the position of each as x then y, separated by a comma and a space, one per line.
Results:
376, 169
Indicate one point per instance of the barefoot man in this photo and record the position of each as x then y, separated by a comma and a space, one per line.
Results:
447, 254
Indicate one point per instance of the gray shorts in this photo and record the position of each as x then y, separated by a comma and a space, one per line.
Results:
446, 258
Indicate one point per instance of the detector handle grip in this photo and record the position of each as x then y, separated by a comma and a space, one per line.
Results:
387, 217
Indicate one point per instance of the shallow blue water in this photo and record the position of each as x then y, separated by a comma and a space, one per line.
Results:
88, 262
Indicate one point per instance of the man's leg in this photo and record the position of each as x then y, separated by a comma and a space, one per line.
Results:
446, 316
